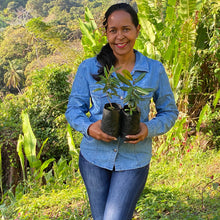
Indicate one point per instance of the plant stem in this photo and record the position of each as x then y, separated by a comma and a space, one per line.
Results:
109, 101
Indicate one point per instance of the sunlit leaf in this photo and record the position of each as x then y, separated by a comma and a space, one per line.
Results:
20, 152
127, 74
143, 91
140, 77
123, 79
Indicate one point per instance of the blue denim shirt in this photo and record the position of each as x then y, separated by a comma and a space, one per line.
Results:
83, 99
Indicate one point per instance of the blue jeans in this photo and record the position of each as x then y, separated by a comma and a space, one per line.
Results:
112, 194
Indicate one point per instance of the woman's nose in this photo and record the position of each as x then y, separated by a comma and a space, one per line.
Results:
120, 35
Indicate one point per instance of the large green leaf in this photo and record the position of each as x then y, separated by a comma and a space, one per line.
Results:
149, 28
72, 148
143, 91
177, 68
71, 143
41, 149
87, 34
124, 88
170, 52
127, 74
201, 116
187, 45
89, 18
20, 153
40, 172
29, 142
98, 89
187, 8
217, 97
140, 78
123, 79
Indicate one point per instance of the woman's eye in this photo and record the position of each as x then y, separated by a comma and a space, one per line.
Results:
126, 29
112, 31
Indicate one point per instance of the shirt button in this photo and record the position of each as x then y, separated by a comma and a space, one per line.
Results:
121, 97
115, 150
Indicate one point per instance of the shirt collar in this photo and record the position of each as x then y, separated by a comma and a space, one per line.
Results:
141, 63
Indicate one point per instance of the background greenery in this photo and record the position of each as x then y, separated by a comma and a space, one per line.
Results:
41, 45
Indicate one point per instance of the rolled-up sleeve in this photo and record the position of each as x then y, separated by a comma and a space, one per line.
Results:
79, 101
167, 111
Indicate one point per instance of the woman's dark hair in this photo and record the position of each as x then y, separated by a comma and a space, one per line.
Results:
106, 57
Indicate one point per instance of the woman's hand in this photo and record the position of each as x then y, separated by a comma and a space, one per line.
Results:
138, 137
95, 131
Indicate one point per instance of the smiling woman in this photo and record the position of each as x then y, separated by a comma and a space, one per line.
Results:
115, 170
122, 34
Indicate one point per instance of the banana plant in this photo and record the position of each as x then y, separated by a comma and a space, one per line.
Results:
92, 36
27, 143
170, 32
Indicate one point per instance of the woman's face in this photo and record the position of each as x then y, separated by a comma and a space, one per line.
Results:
121, 33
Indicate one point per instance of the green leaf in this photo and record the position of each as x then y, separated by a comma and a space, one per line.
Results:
123, 79
43, 167
127, 74
143, 91
130, 90
46, 163
149, 28
170, 13
137, 96
98, 89
124, 88
187, 8
140, 77
71, 143
87, 33
115, 81
20, 152
41, 149
106, 73
176, 74
89, 18
201, 116
169, 53
215, 102
29, 141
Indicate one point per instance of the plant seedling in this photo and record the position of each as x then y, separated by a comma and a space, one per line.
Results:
110, 84
134, 92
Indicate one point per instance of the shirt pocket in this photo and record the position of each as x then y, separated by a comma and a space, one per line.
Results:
98, 99
144, 105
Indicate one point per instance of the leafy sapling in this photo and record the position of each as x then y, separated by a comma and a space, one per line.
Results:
110, 84
134, 92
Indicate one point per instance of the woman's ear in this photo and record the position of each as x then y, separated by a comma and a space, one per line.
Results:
138, 29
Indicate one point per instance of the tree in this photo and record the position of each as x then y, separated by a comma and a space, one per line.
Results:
14, 50
13, 76
37, 8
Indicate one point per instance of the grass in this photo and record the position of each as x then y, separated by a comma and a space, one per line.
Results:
183, 188
179, 186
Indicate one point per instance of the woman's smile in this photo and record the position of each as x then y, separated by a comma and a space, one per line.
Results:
121, 45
